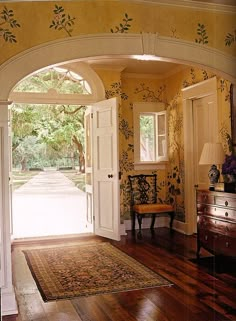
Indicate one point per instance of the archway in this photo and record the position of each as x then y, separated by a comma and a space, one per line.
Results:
80, 48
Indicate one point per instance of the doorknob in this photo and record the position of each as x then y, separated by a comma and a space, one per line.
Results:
110, 175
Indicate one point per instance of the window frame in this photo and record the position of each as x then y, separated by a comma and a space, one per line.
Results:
145, 108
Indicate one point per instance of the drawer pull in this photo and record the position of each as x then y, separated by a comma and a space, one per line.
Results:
226, 203
227, 244
206, 237
226, 214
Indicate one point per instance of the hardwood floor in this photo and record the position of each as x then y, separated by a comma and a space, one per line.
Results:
199, 292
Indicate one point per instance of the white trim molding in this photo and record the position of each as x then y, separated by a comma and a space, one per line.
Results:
80, 48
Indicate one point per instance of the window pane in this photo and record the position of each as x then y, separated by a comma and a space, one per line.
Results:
147, 138
161, 125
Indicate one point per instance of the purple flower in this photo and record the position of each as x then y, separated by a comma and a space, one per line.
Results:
229, 166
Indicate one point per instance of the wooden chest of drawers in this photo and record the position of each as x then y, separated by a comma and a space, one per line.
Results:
216, 222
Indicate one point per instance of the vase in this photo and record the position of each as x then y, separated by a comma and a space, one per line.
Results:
229, 178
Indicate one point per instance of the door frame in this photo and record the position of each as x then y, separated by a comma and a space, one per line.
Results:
189, 94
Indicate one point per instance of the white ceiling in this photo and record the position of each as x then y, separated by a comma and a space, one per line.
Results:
134, 66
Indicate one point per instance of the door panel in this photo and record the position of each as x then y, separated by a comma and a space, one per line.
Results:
88, 165
105, 169
205, 130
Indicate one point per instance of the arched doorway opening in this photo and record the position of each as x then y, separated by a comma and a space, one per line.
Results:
48, 155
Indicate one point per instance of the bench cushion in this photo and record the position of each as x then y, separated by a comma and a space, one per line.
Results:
152, 208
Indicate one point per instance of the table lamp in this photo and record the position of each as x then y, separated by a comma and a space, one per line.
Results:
212, 154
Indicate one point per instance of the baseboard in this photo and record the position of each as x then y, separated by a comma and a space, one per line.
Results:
181, 227
123, 229
9, 305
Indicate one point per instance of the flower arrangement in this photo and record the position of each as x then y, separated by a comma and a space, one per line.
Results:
229, 166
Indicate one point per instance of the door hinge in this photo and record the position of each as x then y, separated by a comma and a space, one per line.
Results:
92, 115
93, 218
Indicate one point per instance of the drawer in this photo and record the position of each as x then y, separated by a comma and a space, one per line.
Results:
225, 245
217, 243
205, 198
217, 226
225, 201
218, 212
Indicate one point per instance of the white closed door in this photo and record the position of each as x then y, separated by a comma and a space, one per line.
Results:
106, 193
205, 130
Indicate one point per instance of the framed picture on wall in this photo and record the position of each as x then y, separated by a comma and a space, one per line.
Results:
233, 114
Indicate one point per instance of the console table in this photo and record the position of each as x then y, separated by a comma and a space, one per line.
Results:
216, 222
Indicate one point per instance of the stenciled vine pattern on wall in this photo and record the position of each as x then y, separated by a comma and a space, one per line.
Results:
202, 33
230, 38
124, 129
175, 167
62, 21
7, 21
192, 81
123, 27
151, 95
223, 87
115, 90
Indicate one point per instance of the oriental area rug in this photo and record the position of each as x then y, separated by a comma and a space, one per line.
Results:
88, 269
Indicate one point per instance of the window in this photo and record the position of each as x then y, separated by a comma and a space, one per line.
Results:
61, 80
150, 135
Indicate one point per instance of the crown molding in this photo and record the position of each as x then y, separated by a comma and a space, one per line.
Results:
191, 4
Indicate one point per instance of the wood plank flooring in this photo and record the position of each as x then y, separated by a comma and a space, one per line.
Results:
198, 293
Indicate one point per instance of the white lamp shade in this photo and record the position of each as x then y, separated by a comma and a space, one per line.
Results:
212, 153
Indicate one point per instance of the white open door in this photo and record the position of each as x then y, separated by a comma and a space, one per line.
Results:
88, 165
106, 193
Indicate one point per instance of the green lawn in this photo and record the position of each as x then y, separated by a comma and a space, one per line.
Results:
77, 178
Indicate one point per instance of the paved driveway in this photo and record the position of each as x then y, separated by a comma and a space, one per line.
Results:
49, 204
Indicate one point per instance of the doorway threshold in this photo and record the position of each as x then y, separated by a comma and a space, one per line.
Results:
49, 239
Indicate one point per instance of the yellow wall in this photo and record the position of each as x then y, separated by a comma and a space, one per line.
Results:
33, 20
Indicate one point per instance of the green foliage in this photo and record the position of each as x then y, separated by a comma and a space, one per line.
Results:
201, 31
123, 27
7, 18
62, 21
230, 38
50, 129
50, 79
